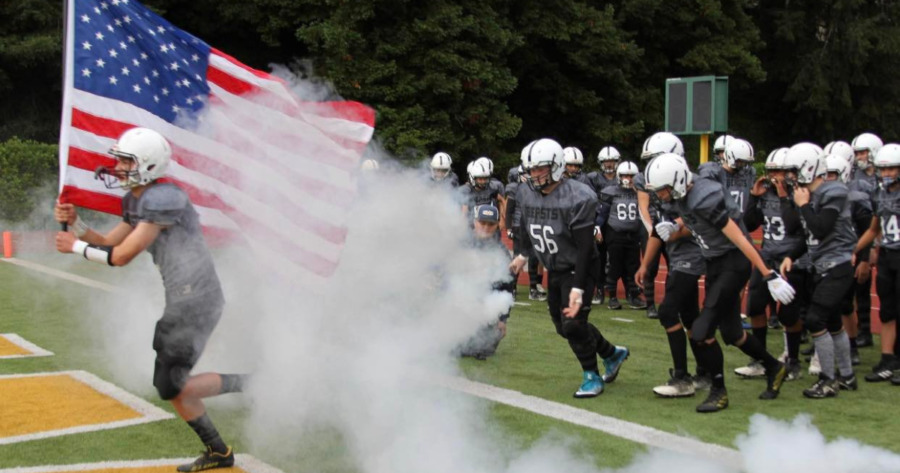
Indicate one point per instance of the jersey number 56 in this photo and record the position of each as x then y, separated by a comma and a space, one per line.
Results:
541, 235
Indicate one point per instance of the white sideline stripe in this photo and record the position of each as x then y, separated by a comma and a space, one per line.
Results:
24, 344
61, 274
619, 319
620, 428
148, 412
521, 303
246, 462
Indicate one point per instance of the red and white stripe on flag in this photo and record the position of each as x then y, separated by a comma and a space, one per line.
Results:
257, 162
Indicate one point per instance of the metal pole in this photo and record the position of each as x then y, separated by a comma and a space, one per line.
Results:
704, 148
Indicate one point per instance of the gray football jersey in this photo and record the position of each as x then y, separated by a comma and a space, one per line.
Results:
737, 185
683, 254
860, 175
179, 251
887, 208
837, 246
599, 181
704, 204
583, 178
550, 219
777, 242
623, 208
489, 195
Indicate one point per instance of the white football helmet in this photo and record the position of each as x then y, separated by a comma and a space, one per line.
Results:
608, 159
625, 173
572, 155
888, 157
721, 143
369, 165
840, 148
440, 166
738, 153
807, 161
776, 159
839, 165
478, 169
150, 152
543, 152
487, 163
866, 142
662, 142
668, 171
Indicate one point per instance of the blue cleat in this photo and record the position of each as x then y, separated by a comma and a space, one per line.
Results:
614, 363
591, 386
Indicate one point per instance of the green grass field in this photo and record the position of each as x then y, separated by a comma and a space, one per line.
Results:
532, 359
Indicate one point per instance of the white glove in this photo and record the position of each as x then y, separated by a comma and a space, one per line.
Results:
667, 229
779, 288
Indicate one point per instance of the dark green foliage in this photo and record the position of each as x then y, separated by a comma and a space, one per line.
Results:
25, 165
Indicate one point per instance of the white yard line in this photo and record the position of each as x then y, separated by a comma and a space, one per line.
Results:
245, 462
619, 319
61, 274
33, 349
148, 412
620, 428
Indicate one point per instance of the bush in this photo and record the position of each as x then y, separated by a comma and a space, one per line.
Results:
25, 166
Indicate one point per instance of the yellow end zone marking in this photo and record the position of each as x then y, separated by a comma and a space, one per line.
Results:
243, 464
14, 346
45, 405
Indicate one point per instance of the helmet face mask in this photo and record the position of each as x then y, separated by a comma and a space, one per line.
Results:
143, 156
888, 164
625, 174
574, 160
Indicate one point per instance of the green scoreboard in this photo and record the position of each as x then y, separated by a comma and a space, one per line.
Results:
697, 105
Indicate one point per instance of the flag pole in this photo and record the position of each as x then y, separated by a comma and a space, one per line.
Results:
66, 110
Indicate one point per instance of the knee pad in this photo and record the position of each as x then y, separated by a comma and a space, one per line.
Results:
815, 320
574, 329
169, 380
668, 317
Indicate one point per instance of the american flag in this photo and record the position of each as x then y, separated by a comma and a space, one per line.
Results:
257, 161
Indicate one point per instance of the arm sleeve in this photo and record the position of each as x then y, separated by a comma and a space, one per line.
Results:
791, 216
798, 251
819, 224
753, 216
511, 211
584, 242
714, 210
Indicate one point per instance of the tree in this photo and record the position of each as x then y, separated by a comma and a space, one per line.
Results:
436, 72
30, 69
833, 68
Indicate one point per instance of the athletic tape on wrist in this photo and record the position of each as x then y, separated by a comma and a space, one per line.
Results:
97, 254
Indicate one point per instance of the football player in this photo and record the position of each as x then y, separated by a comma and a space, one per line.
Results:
714, 220
558, 220
441, 169
830, 240
159, 217
608, 159
734, 171
864, 147
620, 227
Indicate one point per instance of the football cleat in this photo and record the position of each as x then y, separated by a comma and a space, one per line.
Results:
652, 312
822, 388
679, 385
701, 382
848, 383
209, 460
774, 323
598, 298
854, 356
864, 339
715, 402
614, 363
774, 380
814, 367
883, 371
591, 385
534, 295
753, 370
614, 303
637, 302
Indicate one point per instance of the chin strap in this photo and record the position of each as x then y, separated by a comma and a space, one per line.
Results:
95, 253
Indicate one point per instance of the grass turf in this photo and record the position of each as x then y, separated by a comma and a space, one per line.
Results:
532, 359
